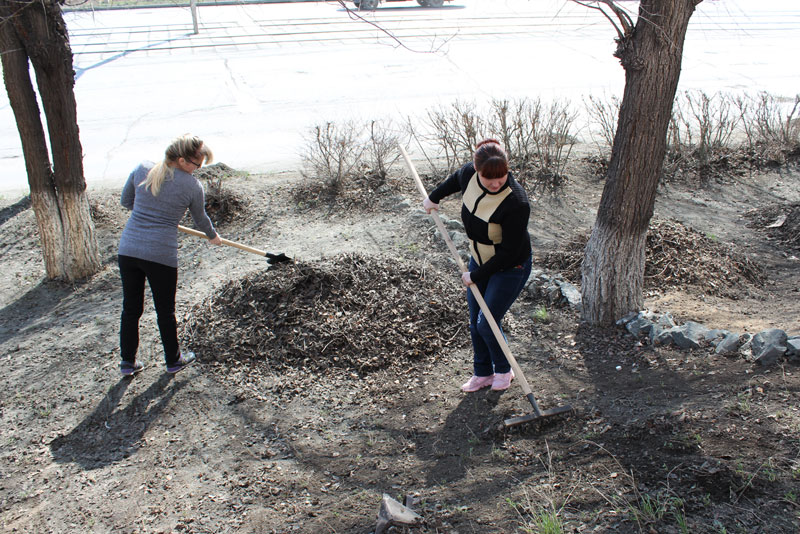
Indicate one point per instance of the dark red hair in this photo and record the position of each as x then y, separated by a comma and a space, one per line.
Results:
490, 160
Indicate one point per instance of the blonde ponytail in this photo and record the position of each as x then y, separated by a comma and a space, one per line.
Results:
187, 147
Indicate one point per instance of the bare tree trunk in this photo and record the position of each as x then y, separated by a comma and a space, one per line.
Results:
613, 267
36, 30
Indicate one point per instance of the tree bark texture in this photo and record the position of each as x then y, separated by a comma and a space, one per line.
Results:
37, 160
613, 266
36, 31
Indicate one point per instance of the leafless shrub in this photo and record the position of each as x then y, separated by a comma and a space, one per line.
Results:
432, 175
332, 155
699, 138
455, 131
604, 115
347, 158
381, 152
516, 124
553, 145
222, 205
702, 124
771, 127
537, 137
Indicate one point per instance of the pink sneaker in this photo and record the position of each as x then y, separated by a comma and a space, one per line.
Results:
477, 382
502, 380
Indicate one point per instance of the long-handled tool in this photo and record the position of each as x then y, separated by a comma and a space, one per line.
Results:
537, 413
271, 258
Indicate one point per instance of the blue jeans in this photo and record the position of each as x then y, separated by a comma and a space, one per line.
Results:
499, 292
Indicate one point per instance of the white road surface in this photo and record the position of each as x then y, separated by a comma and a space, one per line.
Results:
258, 77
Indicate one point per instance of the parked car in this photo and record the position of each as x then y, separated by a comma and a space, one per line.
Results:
372, 4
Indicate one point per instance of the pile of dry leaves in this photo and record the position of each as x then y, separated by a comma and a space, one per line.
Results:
676, 256
781, 222
350, 311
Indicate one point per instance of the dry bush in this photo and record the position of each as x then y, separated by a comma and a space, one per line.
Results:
537, 136
702, 124
454, 131
771, 127
346, 160
382, 153
714, 136
222, 205
699, 138
604, 114
333, 152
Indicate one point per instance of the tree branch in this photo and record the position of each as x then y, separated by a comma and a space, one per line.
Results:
355, 16
622, 16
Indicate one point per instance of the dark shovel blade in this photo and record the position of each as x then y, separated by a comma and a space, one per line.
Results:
522, 419
277, 258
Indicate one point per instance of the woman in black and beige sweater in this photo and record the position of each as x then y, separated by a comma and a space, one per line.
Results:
495, 211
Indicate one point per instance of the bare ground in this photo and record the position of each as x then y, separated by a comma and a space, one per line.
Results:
661, 440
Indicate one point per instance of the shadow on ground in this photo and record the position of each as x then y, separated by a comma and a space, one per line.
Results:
110, 434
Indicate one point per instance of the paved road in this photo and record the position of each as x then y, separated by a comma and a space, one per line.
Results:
257, 77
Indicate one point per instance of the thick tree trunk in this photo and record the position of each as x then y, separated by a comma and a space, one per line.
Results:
34, 147
36, 30
613, 266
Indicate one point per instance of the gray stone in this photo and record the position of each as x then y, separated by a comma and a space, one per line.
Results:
746, 348
666, 321
628, 317
690, 335
793, 346
639, 326
393, 513
715, 335
570, 295
452, 224
665, 336
770, 355
459, 239
655, 331
553, 292
765, 338
728, 345
420, 215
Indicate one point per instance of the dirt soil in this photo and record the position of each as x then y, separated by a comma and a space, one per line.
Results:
324, 384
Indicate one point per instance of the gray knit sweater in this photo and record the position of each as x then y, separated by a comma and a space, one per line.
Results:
152, 229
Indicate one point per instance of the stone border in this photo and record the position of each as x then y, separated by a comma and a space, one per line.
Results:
765, 348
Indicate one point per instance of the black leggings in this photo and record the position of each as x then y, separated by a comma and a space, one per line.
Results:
163, 281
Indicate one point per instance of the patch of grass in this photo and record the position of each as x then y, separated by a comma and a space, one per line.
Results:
742, 404
680, 515
649, 509
499, 454
540, 314
545, 522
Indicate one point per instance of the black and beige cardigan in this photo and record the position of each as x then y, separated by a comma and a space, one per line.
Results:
496, 223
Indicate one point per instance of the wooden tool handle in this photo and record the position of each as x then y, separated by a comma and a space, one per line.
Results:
192, 231
498, 334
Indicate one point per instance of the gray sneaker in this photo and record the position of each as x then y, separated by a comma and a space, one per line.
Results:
186, 359
130, 369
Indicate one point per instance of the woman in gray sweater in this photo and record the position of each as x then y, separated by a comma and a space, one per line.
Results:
158, 196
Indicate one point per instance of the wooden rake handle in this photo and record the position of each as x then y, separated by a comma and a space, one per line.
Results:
475, 292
